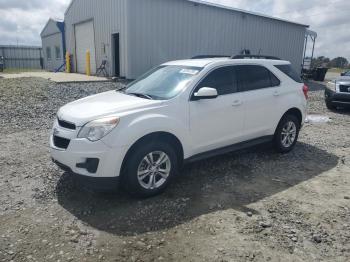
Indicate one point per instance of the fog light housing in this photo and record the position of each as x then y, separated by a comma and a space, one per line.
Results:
91, 165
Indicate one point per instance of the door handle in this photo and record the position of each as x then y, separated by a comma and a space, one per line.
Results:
237, 103
276, 93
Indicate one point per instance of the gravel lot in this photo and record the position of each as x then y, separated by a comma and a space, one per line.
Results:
252, 205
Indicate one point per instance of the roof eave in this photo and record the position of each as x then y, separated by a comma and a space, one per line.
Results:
47, 23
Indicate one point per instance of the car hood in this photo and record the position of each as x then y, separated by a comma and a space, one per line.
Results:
109, 103
344, 79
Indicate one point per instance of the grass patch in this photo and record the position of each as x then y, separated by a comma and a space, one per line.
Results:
337, 70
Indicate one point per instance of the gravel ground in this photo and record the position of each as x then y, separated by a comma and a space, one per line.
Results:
252, 205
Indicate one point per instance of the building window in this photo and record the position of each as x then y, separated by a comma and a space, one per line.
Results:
58, 52
48, 53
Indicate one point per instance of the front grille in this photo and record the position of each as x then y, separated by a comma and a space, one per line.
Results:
61, 142
66, 124
344, 89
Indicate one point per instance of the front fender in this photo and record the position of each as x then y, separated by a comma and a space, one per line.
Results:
131, 130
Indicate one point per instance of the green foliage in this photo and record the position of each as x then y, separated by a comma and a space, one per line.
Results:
338, 62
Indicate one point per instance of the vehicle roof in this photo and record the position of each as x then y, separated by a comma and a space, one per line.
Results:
224, 60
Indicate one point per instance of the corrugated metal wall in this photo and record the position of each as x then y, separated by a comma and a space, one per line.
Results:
21, 56
163, 30
109, 17
155, 31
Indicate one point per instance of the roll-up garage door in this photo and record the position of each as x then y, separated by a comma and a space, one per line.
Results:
85, 40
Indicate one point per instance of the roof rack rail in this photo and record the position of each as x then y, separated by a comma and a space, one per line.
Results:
209, 56
255, 57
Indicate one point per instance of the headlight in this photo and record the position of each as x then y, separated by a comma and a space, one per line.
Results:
97, 129
332, 85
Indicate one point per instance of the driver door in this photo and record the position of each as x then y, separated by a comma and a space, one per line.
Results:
216, 123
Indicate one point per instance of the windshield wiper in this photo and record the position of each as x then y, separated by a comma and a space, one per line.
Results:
121, 89
140, 95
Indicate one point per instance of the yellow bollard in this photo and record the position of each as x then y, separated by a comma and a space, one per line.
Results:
88, 66
68, 62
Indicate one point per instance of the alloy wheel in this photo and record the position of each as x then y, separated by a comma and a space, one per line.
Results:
154, 170
289, 134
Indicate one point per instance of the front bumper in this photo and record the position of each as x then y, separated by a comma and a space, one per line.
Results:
94, 164
100, 184
337, 99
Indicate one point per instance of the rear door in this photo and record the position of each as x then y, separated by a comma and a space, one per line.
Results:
260, 94
216, 123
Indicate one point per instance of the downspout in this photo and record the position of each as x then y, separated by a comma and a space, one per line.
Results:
61, 27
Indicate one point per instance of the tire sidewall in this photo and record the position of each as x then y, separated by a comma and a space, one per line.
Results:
278, 135
330, 106
130, 180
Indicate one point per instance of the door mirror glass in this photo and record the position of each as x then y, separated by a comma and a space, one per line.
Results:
206, 93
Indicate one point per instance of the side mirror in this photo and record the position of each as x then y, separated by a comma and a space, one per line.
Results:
206, 93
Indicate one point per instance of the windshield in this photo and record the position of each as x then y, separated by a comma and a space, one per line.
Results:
163, 83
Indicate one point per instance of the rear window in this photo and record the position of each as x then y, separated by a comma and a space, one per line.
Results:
289, 71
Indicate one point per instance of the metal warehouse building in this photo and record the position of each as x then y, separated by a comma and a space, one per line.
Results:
54, 45
136, 35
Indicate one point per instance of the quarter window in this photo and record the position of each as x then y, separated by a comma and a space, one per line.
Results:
289, 71
254, 77
222, 79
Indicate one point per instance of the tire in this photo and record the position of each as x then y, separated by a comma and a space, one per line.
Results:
330, 106
138, 166
281, 143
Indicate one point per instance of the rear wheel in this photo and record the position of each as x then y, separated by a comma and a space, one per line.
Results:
287, 134
149, 169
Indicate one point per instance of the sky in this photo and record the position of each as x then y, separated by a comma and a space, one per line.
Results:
21, 21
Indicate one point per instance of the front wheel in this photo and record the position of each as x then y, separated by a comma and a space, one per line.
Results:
287, 133
149, 169
330, 106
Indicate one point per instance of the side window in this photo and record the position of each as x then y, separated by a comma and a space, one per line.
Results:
223, 79
58, 52
253, 77
48, 53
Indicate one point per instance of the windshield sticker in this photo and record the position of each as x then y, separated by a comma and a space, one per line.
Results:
189, 71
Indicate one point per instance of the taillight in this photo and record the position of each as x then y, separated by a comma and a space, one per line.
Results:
306, 91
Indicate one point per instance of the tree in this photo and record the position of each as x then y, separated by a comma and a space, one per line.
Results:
340, 62
320, 61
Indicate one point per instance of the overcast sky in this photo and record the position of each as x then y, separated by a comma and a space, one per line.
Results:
21, 21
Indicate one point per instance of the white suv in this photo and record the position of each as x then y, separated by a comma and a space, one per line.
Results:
179, 112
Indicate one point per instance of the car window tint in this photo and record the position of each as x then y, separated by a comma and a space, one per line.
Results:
289, 71
222, 79
253, 77
274, 80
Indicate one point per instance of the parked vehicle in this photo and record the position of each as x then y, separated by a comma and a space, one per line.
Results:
346, 73
179, 112
337, 93
2, 64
